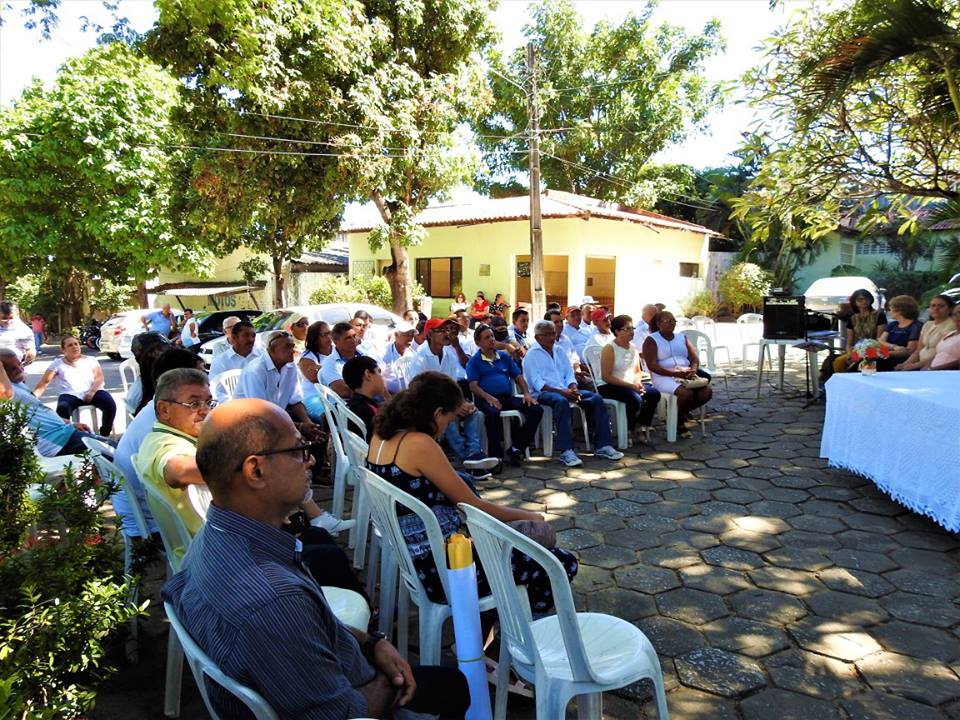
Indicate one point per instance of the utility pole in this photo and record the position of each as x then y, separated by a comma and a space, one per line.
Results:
538, 293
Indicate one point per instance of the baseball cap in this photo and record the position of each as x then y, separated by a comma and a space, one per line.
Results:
404, 327
599, 315
572, 308
588, 300
434, 323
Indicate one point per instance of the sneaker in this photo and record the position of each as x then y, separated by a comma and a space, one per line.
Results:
609, 452
515, 457
570, 459
479, 473
331, 523
479, 461
497, 469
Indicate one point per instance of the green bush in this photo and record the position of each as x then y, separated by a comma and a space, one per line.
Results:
915, 283
111, 297
62, 590
743, 286
700, 303
361, 289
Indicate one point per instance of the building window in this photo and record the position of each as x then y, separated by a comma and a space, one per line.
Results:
690, 270
846, 253
440, 275
873, 247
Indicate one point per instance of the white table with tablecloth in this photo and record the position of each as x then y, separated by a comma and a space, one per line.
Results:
900, 430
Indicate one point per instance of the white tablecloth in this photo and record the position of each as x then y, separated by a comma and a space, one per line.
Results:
900, 429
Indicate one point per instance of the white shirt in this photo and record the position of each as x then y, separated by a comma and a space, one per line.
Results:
332, 368
261, 379
308, 388
640, 333
229, 360
129, 445
540, 369
600, 339
467, 344
186, 336
577, 336
566, 348
75, 379
17, 337
391, 377
448, 363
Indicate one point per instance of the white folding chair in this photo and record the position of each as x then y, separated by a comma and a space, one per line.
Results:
341, 461
750, 326
131, 368
355, 450
618, 410
203, 667
668, 409
701, 341
228, 381
566, 655
384, 499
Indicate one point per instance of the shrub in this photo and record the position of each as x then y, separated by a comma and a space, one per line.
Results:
361, 289
111, 297
62, 591
743, 286
848, 271
700, 303
915, 283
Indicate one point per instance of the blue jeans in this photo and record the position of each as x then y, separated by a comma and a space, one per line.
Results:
468, 443
597, 417
38, 340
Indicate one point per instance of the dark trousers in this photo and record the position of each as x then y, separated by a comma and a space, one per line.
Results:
440, 691
75, 444
328, 564
522, 438
640, 406
102, 401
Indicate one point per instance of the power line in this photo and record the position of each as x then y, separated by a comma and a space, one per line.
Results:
251, 151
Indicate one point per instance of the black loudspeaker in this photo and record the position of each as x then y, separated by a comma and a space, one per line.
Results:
784, 317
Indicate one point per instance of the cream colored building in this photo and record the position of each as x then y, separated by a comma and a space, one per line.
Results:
622, 257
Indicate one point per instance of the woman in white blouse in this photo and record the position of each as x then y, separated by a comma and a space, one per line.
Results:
81, 383
672, 360
620, 376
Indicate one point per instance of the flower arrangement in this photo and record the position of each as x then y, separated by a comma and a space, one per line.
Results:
867, 352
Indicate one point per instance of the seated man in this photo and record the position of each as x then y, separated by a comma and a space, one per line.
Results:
464, 337
442, 352
575, 331
260, 617
15, 334
401, 347
602, 336
566, 347
345, 342
491, 374
550, 377
241, 349
166, 458
362, 375
54, 435
518, 331
366, 338
274, 377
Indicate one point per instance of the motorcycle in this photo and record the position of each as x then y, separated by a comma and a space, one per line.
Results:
90, 334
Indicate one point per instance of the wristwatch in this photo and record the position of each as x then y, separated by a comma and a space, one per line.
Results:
370, 643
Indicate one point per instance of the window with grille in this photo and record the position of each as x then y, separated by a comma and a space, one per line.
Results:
689, 270
846, 253
440, 275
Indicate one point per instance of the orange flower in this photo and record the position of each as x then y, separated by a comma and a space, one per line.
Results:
871, 353
92, 540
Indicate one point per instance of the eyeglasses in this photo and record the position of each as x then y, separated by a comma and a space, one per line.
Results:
195, 405
305, 451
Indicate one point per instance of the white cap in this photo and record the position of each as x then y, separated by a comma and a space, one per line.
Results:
587, 300
404, 327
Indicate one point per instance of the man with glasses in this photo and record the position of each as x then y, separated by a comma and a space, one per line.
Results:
274, 377
260, 615
15, 334
167, 456
551, 381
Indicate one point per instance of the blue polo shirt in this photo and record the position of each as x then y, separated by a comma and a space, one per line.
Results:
160, 323
494, 374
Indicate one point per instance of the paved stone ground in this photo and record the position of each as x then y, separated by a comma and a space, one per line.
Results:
771, 585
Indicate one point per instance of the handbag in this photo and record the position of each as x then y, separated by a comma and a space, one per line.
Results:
694, 383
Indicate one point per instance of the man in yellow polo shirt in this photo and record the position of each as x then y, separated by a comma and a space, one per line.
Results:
167, 456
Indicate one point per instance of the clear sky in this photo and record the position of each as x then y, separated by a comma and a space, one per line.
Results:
745, 23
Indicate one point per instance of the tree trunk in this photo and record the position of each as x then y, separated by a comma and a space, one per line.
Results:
278, 301
142, 295
398, 275
3, 288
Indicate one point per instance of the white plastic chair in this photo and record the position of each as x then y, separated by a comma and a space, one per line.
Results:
564, 655
341, 461
76, 416
355, 449
131, 368
668, 410
203, 667
228, 381
750, 326
701, 341
384, 499
683, 323
200, 499
708, 326
591, 354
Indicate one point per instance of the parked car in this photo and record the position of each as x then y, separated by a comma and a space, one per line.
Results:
827, 294
210, 324
383, 323
118, 331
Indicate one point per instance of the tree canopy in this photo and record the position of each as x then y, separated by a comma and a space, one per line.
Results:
612, 98
86, 170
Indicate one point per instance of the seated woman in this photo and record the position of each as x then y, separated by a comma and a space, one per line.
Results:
672, 359
405, 453
317, 346
902, 334
81, 383
948, 351
499, 306
934, 330
620, 376
863, 322
459, 303
480, 309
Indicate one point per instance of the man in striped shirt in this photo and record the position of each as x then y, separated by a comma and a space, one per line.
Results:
262, 617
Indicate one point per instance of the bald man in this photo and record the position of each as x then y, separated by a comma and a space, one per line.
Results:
262, 617
642, 329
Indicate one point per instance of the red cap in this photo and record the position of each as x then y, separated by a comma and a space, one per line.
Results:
434, 323
599, 315
572, 308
